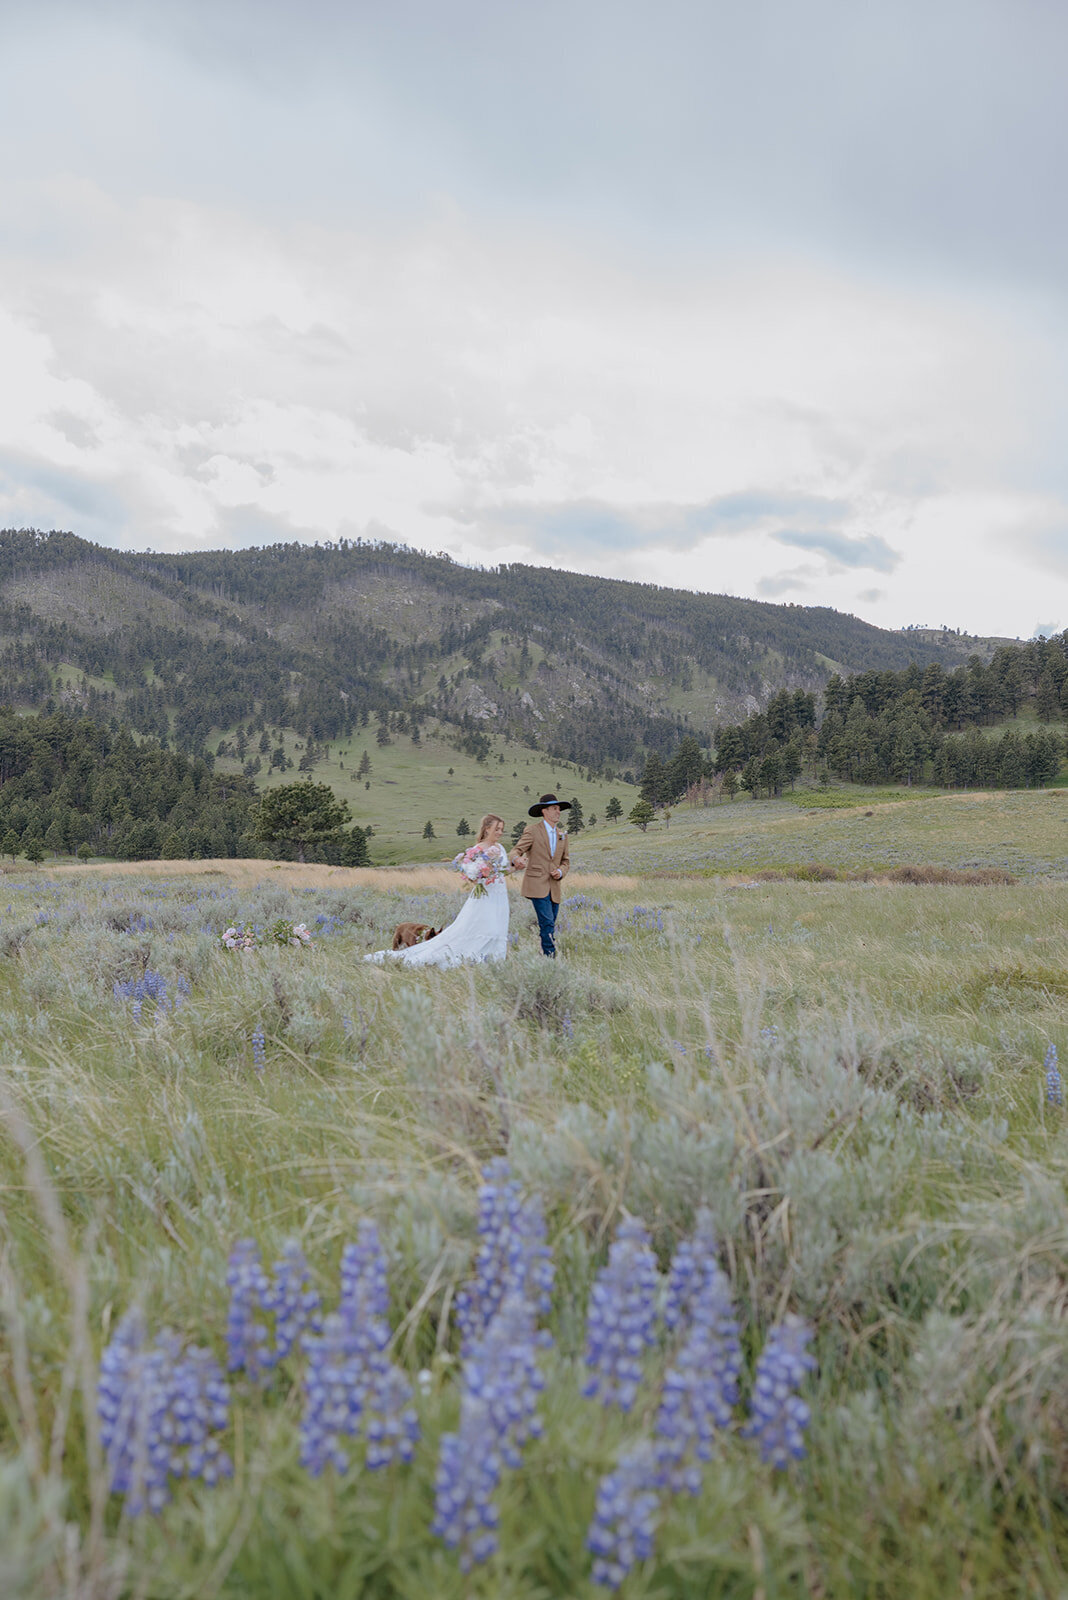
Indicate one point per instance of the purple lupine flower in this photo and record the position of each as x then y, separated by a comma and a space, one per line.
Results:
502, 1374
1054, 1083
469, 1470
513, 1256
536, 1272
501, 1385
267, 1315
364, 1284
199, 1408
160, 1410
293, 1301
701, 1385
693, 1265
336, 1384
259, 1049
351, 1386
621, 1317
392, 1423
150, 986
248, 1340
130, 1406
777, 1416
626, 1515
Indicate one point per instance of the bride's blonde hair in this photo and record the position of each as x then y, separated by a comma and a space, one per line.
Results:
486, 824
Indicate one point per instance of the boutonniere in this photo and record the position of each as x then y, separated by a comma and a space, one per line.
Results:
561, 833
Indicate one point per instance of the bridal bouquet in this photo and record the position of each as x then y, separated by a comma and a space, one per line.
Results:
480, 868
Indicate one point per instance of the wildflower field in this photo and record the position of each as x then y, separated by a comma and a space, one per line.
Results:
725, 1256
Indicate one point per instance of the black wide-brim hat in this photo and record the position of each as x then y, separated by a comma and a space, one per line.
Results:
548, 800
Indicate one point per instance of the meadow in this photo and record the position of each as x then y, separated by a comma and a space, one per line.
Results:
850, 829
410, 785
838, 1091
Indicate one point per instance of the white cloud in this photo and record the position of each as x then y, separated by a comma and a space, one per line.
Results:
311, 311
473, 390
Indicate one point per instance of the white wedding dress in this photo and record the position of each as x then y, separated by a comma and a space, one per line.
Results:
479, 933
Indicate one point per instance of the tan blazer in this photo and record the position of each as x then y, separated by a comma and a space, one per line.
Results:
534, 844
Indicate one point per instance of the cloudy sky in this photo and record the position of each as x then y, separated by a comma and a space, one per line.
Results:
766, 298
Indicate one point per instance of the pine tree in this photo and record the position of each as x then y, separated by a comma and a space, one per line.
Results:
575, 820
642, 813
771, 773
613, 810
463, 827
654, 781
428, 831
685, 767
1046, 699
791, 761
9, 845
299, 815
354, 851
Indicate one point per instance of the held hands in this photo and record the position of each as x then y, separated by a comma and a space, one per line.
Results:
519, 863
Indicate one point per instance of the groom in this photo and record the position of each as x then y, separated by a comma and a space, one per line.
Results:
542, 850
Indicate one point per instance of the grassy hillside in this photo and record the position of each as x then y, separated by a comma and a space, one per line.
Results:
1023, 832
846, 829
410, 785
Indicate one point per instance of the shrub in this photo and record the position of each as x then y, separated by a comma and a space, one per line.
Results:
552, 994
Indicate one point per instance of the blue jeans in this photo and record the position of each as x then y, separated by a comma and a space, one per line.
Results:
545, 910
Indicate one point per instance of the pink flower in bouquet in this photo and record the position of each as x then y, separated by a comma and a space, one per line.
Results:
479, 868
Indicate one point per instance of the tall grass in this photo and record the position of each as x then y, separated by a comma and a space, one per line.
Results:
849, 1076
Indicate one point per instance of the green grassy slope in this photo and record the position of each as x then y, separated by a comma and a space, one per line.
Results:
1024, 832
411, 785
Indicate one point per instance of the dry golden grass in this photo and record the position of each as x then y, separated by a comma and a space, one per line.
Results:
584, 881
293, 875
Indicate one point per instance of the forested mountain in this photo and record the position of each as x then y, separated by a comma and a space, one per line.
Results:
69, 784
915, 726
326, 638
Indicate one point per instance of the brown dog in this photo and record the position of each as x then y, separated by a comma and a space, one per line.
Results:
405, 934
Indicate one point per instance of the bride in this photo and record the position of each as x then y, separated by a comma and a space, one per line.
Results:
480, 932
